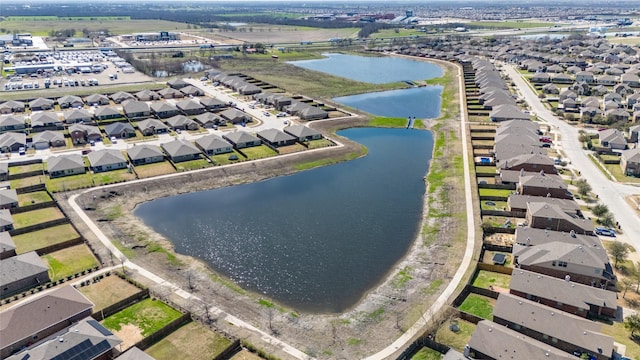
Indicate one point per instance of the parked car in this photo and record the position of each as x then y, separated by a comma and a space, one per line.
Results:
22, 150
545, 139
605, 232
282, 114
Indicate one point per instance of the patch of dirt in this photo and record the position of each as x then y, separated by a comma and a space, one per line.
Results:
130, 335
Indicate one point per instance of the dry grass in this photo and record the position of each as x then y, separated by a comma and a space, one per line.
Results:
69, 261
150, 170
191, 341
245, 355
108, 291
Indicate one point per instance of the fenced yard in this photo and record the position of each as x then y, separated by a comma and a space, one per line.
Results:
108, 291
35, 240
155, 169
34, 217
69, 261
191, 341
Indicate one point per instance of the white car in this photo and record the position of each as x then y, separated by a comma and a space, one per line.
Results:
114, 140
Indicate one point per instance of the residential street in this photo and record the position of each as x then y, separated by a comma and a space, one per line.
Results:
610, 193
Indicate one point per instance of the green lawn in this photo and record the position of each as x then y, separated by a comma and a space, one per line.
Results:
13, 170
108, 291
69, 261
35, 240
320, 143
33, 198
69, 182
486, 169
148, 315
111, 177
155, 169
478, 305
617, 173
457, 340
485, 278
192, 165
223, 159
495, 192
258, 152
191, 341
388, 122
427, 354
33, 180
36, 217
623, 336
493, 205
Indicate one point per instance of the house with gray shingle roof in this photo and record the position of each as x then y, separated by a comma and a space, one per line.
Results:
65, 165
212, 103
135, 109
69, 101
121, 96
191, 90
303, 133
213, 145
12, 123
106, 160
276, 138
552, 217
235, 116
4, 171
45, 120
96, 99
82, 134
77, 116
22, 272
163, 109
46, 139
613, 139
630, 162
507, 112
177, 83
8, 198
209, 120
181, 122
11, 106
169, 93
147, 95
11, 141
86, 339
107, 113
181, 150
150, 127
242, 139
7, 246
41, 104
135, 353
120, 130
6, 220
40, 317
145, 154
190, 107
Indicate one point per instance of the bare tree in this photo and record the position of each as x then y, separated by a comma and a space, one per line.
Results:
191, 280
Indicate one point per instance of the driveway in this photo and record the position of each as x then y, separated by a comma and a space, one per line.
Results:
610, 193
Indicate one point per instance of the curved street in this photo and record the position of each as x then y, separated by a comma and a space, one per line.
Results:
611, 194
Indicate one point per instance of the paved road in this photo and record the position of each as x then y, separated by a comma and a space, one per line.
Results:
610, 193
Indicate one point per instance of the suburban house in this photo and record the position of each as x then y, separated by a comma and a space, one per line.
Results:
8, 198
96, 99
177, 83
65, 165
145, 154
550, 89
529, 163
541, 184
180, 150
235, 116
46, 139
509, 145
169, 93
248, 89
241, 139
151, 127
190, 107
120, 130
630, 162
552, 217
568, 296
7, 246
135, 353
41, 104
77, 116
41, 317
163, 109
569, 333
191, 90
507, 112
212, 103
213, 145
70, 101
613, 139
121, 96
106, 160
22, 272
107, 113
276, 138
492, 341
586, 76
12, 106
305, 111
630, 79
209, 120
181, 122
82, 134
12, 123
518, 203
634, 133
11, 141
4, 171
45, 120
6, 220
303, 133
135, 109
147, 95
87, 339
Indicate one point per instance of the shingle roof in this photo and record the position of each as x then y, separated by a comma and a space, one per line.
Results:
8, 196
301, 131
76, 114
211, 142
48, 136
134, 106
106, 111
238, 137
178, 121
41, 102
20, 267
143, 152
96, 99
632, 155
135, 354
275, 135
32, 316
163, 106
12, 120
88, 129
180, 148
151, 123
117, 128
5, 218
6, 242
552, 211
40, 119
520, 202
64, 162
189, 105
537, 159
105, 157
547, 181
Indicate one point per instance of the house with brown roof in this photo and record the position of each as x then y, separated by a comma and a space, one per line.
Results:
82, 134
541, 184
518, 203
569, 333
529, 163
22, 272
492, 341
43, 316
568, 296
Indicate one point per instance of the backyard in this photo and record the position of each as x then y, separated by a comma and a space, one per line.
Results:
108, 291
478, 305
32, 198
35, 240
69, 261
29, 181
258, 152
484, 279
192, 165
155, 169
191, 341
22, 169
457, 340
34, 217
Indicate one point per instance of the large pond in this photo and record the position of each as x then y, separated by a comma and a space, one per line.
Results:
420, 102
316, 240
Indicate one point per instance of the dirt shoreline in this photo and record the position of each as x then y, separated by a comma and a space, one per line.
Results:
379, 317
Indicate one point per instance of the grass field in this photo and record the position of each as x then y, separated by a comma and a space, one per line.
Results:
623, 336
35, 240
388, 122
509, 24
192, 165
148, 315
36, 217
108, 291
31, 198
191, 341
115, 176
71, 182
13, 170
258, 152
69, 261
456, 340
245, 355
41, 26
478, 305
32, 180
427, 354
320, 143
223, 159
617, 173
493, 205
495, 192
484, 279
149, 170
